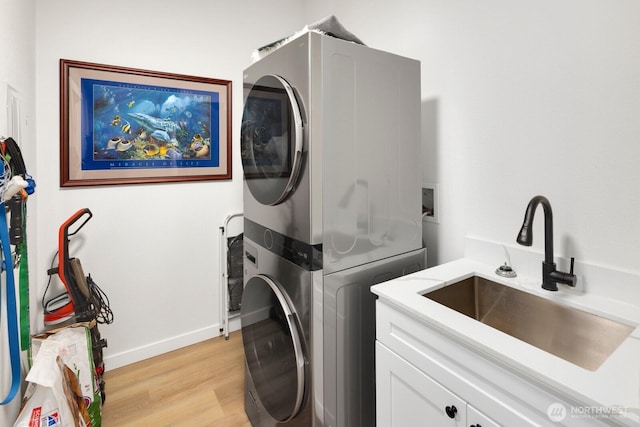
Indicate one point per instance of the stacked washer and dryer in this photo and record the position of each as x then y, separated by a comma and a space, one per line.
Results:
332, 205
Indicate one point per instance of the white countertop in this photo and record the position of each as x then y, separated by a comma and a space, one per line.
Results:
616, 383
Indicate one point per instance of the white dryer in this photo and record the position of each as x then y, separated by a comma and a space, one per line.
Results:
330, 147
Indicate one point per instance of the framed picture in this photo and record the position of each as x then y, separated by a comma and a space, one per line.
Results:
129, 126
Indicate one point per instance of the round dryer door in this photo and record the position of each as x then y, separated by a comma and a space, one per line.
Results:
271, 140
273, 347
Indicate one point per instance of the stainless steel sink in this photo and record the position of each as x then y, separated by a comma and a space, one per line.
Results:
582, 338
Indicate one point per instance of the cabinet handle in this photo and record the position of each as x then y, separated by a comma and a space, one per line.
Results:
475, 425
451, 411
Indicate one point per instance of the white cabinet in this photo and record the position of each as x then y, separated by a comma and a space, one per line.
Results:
422, 370
408, 397
476, 418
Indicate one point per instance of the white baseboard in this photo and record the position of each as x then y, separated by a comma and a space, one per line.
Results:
118, 360
234, 324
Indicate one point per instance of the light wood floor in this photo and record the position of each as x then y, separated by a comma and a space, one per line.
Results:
200, 385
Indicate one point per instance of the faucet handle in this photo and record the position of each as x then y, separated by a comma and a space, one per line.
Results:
571, 267
571, 278
559, 276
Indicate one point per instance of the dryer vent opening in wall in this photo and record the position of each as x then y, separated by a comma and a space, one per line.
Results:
430, 202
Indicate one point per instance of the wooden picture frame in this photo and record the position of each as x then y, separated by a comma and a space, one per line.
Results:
123, 125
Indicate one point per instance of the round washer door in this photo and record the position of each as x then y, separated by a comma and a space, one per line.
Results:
271, 138
273, 347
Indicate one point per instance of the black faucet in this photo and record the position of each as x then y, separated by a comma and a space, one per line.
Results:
550, 276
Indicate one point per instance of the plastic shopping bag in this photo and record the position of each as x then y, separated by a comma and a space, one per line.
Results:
63, 390
53, 397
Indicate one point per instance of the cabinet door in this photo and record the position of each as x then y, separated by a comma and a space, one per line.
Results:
406, 397
476, 418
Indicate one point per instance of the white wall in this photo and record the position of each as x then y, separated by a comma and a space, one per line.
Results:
523, 98
153, 249
17, 79
518, 99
